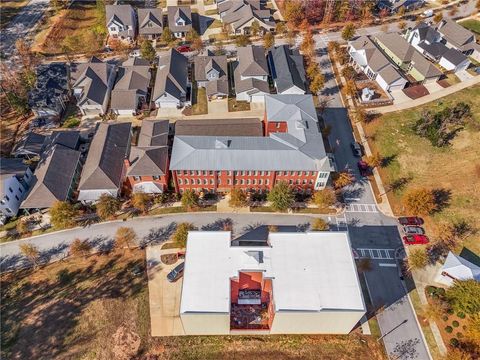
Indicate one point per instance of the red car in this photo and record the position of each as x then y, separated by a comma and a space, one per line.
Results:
184, 49
363, 167
410, 220
415, 239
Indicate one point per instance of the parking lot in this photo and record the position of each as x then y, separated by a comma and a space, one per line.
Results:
164, 296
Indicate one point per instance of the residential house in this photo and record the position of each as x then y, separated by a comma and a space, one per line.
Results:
251, 74
30, 146
179, 20
366, 57
121, 22
92, 84
407, 58
291, 150
150, 23
55, 177
15, 177
287, 69
239, 15
457, 268
50, 96
395, 5
457, 37
296, 283
211, 73
429, 42
131, 87
147, 166
104, 170
172, 86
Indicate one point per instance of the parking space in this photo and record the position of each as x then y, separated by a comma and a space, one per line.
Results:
164, 296
376, 254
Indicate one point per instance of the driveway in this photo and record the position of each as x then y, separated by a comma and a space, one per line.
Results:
163, 296
218, 107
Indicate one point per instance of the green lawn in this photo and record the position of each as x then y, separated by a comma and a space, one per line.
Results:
472, 25
417, 163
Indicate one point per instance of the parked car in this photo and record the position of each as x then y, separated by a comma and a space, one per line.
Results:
410, 220
363, 167
413, 230
135, 53
415, 239
184, 49
176, 273
356, 148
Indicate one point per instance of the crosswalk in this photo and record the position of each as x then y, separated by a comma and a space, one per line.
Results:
363, 208
376, 254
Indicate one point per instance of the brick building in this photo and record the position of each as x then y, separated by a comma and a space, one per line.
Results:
252, 155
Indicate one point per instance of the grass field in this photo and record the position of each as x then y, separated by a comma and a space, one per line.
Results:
8, 10
472, 25
96, 308
417, 163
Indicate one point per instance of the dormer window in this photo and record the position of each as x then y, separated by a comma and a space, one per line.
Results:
180, 22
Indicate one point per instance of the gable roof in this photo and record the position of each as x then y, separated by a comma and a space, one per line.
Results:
204, 63
104, 165
172, 75
52, 178
219, 127
150, 157
67, 138
131, 81
239, 12
455, 33
287, 68
152, 16
460, 268
454, 56
11, 167
183, 12
252, 61
32, 143
120, 13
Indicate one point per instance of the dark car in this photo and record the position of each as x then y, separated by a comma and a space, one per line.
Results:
356, 148
363, 167
184, 49
176, 273
415, 239
414, 230
410, 220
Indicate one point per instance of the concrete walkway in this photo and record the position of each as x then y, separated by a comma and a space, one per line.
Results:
428, 98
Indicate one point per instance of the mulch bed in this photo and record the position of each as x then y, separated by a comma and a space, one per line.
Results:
415, 92
443, 83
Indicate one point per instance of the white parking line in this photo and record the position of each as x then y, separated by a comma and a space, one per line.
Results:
387, 265
376, 254
365, 208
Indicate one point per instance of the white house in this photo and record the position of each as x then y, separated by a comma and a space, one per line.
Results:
454, 60
457, 268
121, 22
16, 178
457, 37
300, 283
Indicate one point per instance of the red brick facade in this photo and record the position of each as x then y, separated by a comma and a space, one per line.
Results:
160, 180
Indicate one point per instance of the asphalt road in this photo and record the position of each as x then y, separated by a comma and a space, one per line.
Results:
21, 26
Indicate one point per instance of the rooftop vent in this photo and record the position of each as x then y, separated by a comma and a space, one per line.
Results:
222, 144
257, 255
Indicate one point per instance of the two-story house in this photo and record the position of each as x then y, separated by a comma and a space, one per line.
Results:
92, 84
211, 74
179, 20
457, 37
287, 69
150, 23
251, 74
121, 22
15, 177
239, 15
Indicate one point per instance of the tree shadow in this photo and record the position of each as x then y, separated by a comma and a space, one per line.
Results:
442, 198
218, 225
159, 235
387, 160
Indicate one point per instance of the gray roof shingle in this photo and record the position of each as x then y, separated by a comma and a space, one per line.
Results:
131, 81
287, 68
150, 21
179, 12
219, 127
172, 75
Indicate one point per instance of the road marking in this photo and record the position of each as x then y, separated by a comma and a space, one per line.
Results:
387, 265
352, 199
362, 208
341, 222
376, 254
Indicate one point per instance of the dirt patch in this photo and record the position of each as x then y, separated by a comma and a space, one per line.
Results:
169, 259
415, 92
126, 343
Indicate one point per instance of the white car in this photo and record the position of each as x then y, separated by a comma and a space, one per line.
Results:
135, 53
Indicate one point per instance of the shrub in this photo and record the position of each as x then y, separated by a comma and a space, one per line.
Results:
189, 199
325, 198
181, 234
64, 276
272, 228
445, 317
448, 329
454, 342
107, 206
465, 296
455, 323
281, 196
320, 225
71, 122
450, 312
459, 335
430, 290
419, 201
238, 198
461, 315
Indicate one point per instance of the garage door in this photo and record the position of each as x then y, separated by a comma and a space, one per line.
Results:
396, 87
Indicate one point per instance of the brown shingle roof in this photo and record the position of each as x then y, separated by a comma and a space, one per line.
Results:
220, 127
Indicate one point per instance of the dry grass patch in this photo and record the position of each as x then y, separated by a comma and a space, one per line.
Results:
413, 161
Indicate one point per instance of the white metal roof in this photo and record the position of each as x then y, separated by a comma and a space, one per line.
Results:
460, 268
309, 271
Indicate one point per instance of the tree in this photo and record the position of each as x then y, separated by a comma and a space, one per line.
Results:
348, 72
417, 259
255, 28
317, 83
268, 40
402, 25
308, 45
147, 51
453, 11
435, 309
473, 329
31, 252
272, 228
314, 10
464, 296
281, 196
181, 234
374, 160
167, 36
280, 28
242, 40
350, 88
348, 32
361, 115
107, 206
141, 201
191, 35
477, 5
189, 199
80, 248
364, 265
325, 198
62, 215
419, 201
312, 69
457, 354
333, 47
238, 198
320, 225
125, 237
293, 12
197, 44
438, 17
57, 5
342, 179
